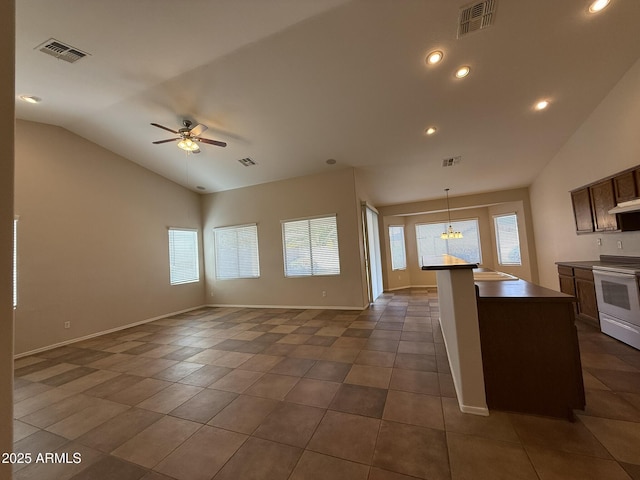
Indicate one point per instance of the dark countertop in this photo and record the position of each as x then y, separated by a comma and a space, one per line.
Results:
583, 263
518, 291
446, 262
604, 261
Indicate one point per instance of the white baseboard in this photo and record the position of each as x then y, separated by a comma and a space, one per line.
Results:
295, 307
104, 332
482, 411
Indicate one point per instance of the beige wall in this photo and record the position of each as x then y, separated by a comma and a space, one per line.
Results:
267, 205
606, 143
7, 31
481, 206
92, 239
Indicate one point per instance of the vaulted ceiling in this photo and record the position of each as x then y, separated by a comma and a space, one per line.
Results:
293, 83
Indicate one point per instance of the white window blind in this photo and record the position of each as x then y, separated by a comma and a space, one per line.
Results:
311, 247
183, 256
15, 263
467, 248
397, 247
236, 250
507, 240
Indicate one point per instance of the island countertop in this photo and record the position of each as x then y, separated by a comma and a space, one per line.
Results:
446, 262
518, 290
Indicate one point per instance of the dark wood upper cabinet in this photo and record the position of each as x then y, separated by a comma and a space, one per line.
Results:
625, 186
603, 200
582, 210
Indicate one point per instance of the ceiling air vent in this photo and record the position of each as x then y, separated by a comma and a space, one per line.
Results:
247, 162
61, 51
450, 162
476, 16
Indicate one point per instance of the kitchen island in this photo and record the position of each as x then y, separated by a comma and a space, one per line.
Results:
530, 354
511, 345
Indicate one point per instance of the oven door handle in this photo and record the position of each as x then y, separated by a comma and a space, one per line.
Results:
601, 273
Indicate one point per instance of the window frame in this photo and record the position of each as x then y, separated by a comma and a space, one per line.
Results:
196, 264
404, 248
311, 273
497, 237
445, 224
236, 228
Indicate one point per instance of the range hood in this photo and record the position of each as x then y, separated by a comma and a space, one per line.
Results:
630, 206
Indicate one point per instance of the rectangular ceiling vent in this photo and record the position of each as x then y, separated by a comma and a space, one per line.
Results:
247, 162
61, 50
476, 16
450, 162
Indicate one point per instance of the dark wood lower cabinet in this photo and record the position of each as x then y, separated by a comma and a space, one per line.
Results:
579, 283
530, 356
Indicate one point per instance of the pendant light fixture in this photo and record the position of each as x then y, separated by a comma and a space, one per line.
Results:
449, 233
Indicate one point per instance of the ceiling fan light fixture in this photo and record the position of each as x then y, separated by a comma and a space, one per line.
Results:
188, 145
430, 130
30, 99
542, 104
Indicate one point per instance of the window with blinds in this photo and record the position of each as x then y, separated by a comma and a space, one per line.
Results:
311, 247
396, 245
236, 251
507, 239
183, 256
466, 248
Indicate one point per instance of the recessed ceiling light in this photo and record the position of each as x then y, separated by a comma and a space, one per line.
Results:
542, 104
463, 71
598, 6
430, 130
30, 99
200, 187
434, 57
331, 161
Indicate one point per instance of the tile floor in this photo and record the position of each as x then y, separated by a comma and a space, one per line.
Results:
230, 393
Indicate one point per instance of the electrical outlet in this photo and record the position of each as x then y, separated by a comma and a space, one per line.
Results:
599, 242
620, 244
67, 324
324, 293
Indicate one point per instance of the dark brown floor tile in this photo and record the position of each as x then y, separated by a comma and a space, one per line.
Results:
270, 337
619, 381
312, 352
230, 345
183, 353
380, 474
315, 466
375, 358
385, 325
381, 345
113, 386
291, 424
320, 340
252, 347
83, 356
178, 371
33, 368
417, 337
113, 433
202, 455
369, 376
279, 349
260, 459
261, 363
483, 458
414, 409
330, 371
412, 361
205, 376
357, 332
236, 381
244, 414
557, 435
41, 441
111, 468
412, 450
632, 470
344, 355
144, 348
204, 406
139, 392
63, 470
273, 386
620, 438
610, 405
556, 465
415, 381
317, 393
68, 376
306, 330
359, 400
351, 437
296, 367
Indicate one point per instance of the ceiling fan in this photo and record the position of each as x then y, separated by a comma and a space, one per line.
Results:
188, 136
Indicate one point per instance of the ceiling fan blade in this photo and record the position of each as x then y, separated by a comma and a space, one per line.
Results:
164, 128
211, 142
196, 151
198, 130
165, 141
